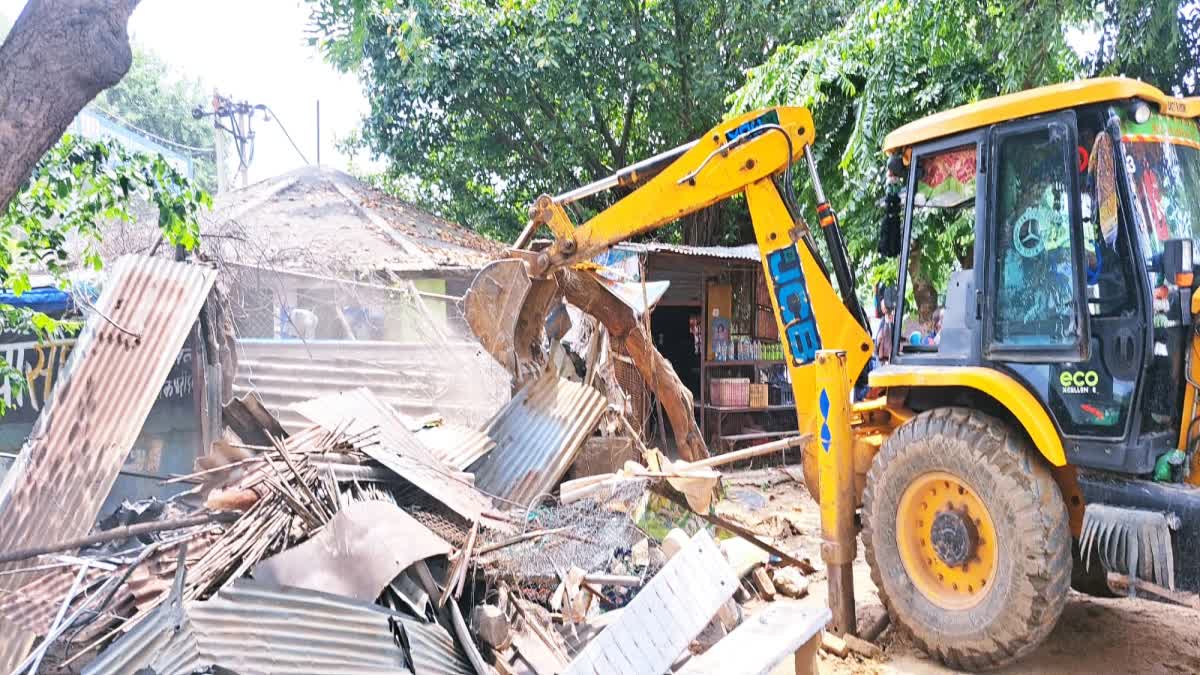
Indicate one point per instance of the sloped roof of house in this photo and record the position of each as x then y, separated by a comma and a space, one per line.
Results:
327, 221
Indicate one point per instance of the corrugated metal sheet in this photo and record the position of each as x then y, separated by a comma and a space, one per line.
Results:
743, 252
414, 379
56, 487
164, 634
359, 411
34, 605
456, 445
252, 627
537, 436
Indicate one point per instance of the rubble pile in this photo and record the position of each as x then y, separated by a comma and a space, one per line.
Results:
300, 549
370, 542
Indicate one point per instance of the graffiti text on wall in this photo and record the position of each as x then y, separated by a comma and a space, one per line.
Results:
42, 365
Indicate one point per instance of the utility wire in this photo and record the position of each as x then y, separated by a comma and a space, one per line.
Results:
289, 136
153, 136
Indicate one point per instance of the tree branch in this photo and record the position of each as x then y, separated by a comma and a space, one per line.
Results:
602, 126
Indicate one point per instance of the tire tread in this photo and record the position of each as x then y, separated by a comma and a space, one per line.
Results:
1041, 520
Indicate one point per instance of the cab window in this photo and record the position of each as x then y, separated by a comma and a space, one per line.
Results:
941, 241
1108, 269
1036, 287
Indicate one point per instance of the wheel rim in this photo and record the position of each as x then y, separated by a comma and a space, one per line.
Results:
947, 540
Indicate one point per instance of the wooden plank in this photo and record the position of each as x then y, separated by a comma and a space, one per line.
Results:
806, 657
657, 626
752, 452
762, 641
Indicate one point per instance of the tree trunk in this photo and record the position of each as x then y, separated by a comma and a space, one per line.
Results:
702, 228
923, 291
58, 56
583, 291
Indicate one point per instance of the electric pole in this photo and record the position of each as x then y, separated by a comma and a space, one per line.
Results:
235, 118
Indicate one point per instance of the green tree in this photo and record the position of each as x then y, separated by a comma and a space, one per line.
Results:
894, 61
154, 97
1154, 41
480, 106
53, 224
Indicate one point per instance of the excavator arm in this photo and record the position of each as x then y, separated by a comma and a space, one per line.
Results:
508, 302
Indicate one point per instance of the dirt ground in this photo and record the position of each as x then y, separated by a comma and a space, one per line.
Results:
1094, 635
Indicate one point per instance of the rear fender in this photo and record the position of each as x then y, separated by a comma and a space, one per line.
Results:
1023, 406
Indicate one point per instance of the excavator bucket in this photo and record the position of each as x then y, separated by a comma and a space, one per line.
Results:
507, 310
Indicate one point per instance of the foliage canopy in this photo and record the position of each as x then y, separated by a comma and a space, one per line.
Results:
481, 106
155, 98
894, 61
54, 224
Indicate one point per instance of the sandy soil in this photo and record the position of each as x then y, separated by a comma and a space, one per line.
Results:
1093, 636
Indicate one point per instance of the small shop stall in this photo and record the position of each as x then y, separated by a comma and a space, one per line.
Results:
716, 327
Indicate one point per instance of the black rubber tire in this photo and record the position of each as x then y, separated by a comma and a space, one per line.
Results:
1033, 570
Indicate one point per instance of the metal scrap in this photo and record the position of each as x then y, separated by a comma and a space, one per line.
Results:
1130, 541
364, 547
33, 605
458, 446
291, 630
359, 411
251, 421
537, 435
84, 434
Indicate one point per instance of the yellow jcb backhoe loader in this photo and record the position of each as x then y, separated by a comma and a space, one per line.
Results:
1034, 426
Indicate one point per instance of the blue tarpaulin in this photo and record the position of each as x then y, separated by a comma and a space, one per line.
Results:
47, 299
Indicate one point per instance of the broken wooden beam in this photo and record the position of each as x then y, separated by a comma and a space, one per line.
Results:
124, 532
753, 451
861, 647
834, 645
762, 583
583, 290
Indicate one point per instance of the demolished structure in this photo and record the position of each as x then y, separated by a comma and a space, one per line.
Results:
356, 537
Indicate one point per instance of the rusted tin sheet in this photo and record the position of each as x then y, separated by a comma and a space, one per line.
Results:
457, 446
34, 605
537, 435
359, 411
56, 487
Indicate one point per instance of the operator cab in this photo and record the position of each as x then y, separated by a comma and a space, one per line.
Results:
1049, 235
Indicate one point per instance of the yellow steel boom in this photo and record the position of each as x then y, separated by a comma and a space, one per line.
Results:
751, 154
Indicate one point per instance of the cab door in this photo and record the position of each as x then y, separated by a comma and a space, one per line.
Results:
1064, 315
1035, 308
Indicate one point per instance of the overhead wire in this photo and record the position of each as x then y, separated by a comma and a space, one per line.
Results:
151, 135
289, 136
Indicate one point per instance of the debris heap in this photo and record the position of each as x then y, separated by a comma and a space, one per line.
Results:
369, 542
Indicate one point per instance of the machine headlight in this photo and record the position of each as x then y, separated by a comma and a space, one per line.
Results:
1141, 112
